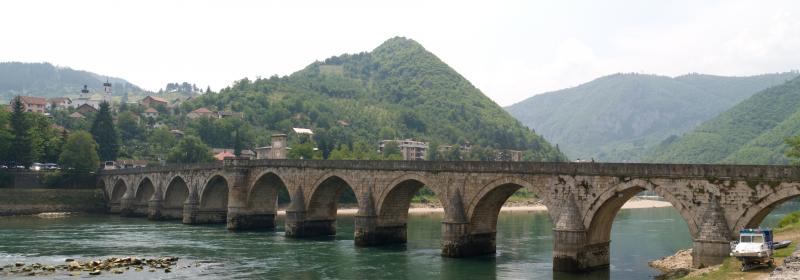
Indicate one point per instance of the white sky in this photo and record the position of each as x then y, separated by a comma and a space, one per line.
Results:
511, 50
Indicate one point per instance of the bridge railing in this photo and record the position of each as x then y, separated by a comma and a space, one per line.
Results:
163, 168
642, 170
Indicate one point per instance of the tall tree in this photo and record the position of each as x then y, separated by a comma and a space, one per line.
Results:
6, 136
21, 152
105, 134
237, 144
190, 150
80, 153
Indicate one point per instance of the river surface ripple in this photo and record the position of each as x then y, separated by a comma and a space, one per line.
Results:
524, 248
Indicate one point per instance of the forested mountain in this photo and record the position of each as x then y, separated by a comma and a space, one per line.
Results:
399, 90
46, 80
620, 117
752, 132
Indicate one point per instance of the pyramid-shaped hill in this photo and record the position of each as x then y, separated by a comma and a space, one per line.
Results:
399, 90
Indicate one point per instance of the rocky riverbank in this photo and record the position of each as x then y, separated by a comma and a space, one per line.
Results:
790, 269
72, 267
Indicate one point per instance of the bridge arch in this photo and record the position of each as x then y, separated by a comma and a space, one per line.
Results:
215, 193
755, 213
484, 208
323, 201
395, 200
175, 195
599, 220
118, 190
144, 190
262, 196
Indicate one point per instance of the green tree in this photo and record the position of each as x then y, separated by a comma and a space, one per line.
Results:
21, 151
80, 153
6, 135
161, 141
237, 144
128, 126
105, 134
391, 151
341, 153
190, 150
794, 149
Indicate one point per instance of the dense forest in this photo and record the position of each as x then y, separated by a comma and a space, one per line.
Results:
397, 91
753, 132
621, 117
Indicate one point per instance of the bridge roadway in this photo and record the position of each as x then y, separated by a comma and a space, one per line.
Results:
582, 199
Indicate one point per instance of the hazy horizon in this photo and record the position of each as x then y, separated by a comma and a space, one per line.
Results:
510, 51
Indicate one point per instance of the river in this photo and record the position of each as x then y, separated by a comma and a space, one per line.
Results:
524, 246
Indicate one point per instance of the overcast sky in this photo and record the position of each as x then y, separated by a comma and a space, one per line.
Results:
511, 50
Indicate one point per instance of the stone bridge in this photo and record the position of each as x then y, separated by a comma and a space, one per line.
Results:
582, 199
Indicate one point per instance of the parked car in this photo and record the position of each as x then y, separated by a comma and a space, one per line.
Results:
37, 166
51, 166
109, 165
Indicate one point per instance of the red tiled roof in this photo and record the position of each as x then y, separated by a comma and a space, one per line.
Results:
33, 100
223, 155
159, 99
151, 110
202, 111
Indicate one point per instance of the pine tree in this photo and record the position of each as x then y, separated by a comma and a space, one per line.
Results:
105, 134
237, 145
21, 153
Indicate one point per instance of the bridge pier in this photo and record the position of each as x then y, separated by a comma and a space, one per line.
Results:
239, 219
572, 254
712, 245
571, 249
369, 233
190, 208
154, 207
126, 207
114, 208
457, 242
298, 227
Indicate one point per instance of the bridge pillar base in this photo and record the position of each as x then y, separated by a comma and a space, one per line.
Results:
114, 208
707, 253
190, 212
171, 213
243, 221
126, 208
211, 216
457, 242
368, 233
154, 210
298, 227
572, 254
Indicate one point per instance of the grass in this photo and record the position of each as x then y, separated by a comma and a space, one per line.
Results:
10, 197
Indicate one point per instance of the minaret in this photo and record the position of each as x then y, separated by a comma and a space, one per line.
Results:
107, 89
84, 91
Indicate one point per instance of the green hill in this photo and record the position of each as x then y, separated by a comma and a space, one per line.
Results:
752, 132
399, 90
620, 117
46, 80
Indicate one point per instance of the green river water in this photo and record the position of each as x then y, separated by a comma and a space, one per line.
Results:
524, 246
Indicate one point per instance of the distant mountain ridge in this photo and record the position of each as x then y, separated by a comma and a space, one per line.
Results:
752, 132
47, 80
620, 117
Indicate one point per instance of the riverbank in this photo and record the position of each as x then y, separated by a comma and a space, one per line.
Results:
530, 206
36, 201
678, 266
